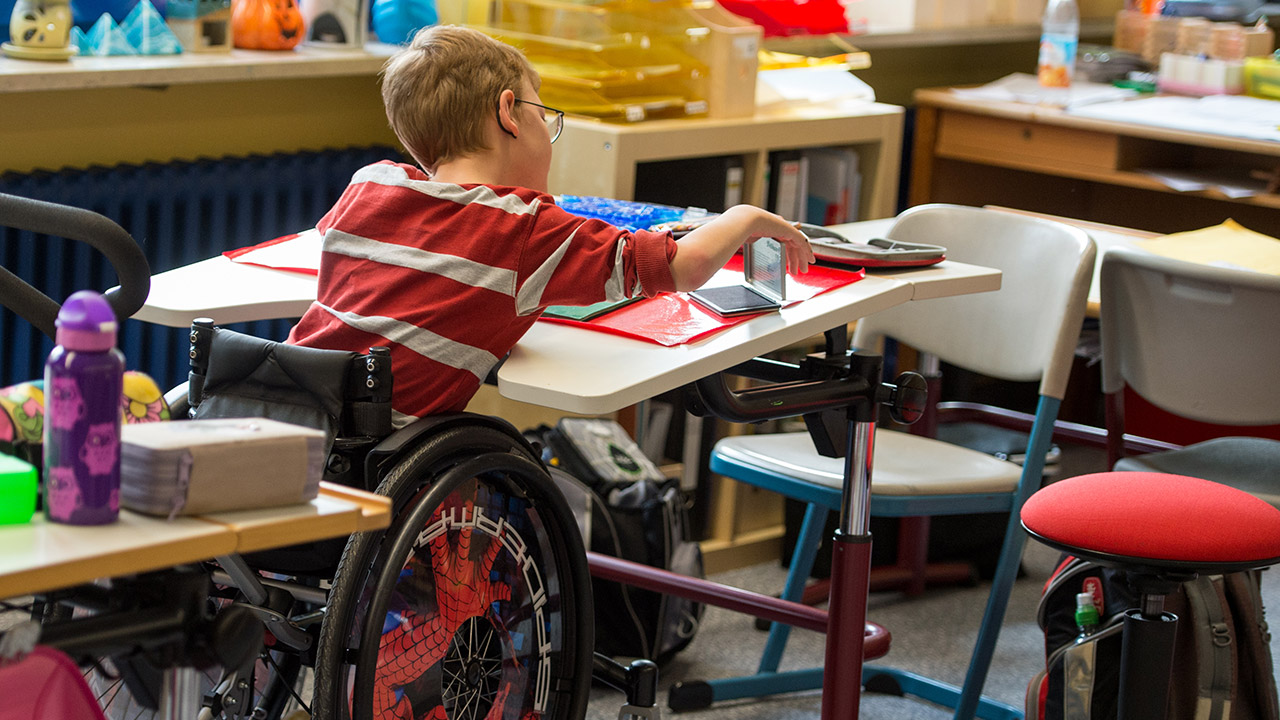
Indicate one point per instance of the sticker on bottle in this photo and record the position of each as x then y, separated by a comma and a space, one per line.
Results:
1057, 60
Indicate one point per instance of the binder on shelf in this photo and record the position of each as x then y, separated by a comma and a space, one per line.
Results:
788, 184
834, 186
711, 183
733, 176
854, 185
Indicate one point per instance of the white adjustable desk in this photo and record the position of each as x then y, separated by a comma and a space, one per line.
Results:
570, 368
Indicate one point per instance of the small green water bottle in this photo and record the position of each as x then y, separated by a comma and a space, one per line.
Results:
1086, 616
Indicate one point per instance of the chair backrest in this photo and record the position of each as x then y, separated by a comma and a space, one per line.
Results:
1028, 330
346, 394
1195, 340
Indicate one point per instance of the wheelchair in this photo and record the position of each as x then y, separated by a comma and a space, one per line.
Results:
474, 603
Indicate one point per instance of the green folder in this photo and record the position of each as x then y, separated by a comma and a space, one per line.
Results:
587, 312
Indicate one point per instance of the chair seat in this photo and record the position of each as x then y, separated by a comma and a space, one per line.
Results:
903, 465
1248, 463
1156, 520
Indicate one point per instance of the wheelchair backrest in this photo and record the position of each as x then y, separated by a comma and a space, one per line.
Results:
345, 394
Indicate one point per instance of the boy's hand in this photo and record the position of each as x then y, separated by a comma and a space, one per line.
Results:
706, 248
796, 243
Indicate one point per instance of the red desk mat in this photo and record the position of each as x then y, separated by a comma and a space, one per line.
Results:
674, 319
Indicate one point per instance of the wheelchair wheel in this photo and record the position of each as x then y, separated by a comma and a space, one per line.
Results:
474, 604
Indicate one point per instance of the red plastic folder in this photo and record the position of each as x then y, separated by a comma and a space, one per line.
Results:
674, 319
298, 252
669, 319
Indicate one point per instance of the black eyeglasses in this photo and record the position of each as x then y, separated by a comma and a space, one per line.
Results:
555, 123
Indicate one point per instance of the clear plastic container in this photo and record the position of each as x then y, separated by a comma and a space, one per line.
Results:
1059, 39
630, 60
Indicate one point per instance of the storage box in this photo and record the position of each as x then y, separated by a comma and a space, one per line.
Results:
202, 466
17, 491
1262, 77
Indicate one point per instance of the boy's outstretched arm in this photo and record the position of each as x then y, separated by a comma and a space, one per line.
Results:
707, 248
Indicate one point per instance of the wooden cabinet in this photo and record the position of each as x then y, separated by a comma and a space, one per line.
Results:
1046, 160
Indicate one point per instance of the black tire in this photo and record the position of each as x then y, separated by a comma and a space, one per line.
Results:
545, 636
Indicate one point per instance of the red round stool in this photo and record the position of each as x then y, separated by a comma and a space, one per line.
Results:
1163, 530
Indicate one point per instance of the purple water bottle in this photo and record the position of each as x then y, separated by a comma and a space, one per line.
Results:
82, 385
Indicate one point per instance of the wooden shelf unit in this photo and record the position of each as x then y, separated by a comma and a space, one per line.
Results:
1042, 159
599, 158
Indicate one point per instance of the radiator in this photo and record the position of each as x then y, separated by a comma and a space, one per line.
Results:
179, 212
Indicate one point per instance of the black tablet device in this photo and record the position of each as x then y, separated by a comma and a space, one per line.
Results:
764, 268
733, 300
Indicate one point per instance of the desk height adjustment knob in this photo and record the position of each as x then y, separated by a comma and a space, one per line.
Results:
906, 397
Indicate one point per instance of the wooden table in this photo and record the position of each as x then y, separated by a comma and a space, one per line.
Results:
1044, 159
47, 556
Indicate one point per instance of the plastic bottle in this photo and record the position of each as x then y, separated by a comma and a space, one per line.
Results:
1059, 38
82, 383
1086, 616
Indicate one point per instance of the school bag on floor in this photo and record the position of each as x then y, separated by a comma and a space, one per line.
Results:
39, 682
1222, 667
627, 509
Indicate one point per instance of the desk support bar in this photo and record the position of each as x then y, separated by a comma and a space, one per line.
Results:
855, 515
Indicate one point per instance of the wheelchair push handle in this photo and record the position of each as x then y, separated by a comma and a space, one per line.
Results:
97, 231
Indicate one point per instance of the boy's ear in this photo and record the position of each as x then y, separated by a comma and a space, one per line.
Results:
506, 110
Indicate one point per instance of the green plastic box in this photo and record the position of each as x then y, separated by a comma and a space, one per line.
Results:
17, 491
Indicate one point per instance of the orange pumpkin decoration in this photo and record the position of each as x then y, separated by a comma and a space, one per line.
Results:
266, 24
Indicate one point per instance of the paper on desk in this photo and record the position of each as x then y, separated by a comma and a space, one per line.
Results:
1227, 245
1025, 88
1232, 115
299, 252
1229, 183
811, 85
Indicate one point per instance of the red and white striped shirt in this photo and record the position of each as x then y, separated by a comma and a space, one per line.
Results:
451, 276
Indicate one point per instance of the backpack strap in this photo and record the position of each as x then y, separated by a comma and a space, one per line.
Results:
1258, 679
1214, 644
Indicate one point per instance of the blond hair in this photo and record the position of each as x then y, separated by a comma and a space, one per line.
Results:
440, 88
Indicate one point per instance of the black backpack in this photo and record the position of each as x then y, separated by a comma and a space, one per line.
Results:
1222, 668
626, 509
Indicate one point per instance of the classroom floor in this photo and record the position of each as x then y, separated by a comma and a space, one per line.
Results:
932, 635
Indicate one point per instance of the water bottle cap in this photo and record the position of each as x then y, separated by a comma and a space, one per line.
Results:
86, 323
